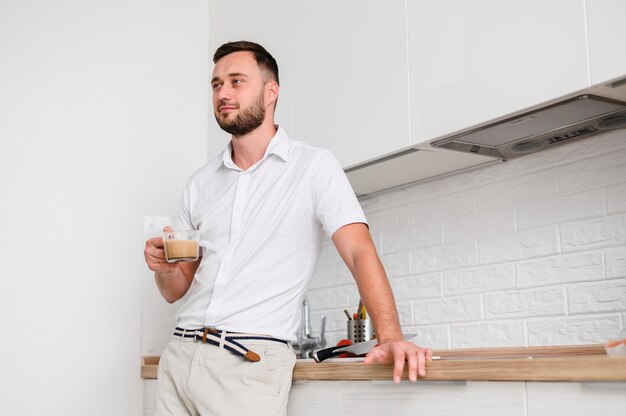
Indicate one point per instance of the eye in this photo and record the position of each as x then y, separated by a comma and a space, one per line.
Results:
215, 85
237, 81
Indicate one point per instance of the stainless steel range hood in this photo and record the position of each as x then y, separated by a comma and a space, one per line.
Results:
571, 118
564, 119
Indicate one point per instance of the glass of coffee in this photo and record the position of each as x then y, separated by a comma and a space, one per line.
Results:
181, 245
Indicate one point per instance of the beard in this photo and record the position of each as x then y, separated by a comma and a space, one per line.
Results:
246, 121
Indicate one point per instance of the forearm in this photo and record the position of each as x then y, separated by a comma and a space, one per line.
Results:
377, 295
355, 245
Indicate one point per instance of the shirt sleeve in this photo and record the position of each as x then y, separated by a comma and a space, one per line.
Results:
335, 203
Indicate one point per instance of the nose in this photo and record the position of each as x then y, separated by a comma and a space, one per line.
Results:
224, 92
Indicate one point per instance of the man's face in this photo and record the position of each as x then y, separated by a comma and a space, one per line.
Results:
238, 93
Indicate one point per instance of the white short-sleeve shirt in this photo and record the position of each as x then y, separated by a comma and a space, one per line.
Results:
261, 233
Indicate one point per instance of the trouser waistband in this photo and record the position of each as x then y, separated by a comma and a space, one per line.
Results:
226, 340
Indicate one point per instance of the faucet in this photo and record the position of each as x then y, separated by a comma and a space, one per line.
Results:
307, 343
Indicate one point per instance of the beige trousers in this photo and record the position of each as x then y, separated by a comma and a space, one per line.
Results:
202, 379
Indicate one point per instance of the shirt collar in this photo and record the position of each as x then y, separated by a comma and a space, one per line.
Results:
279, 146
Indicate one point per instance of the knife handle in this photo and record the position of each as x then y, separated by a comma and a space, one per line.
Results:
326, 353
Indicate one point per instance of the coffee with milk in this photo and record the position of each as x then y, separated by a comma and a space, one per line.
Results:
181, 245
181, 250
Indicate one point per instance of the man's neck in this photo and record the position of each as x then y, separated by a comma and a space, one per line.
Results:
250, 148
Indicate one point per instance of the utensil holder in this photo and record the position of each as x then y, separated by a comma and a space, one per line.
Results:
360, 330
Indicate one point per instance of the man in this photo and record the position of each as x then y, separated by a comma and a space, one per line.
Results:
262, 208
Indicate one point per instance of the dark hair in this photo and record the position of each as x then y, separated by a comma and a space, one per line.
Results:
266, 62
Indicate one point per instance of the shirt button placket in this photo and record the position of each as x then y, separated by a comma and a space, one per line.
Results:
235, 230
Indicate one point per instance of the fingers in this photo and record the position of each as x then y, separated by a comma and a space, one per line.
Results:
398, 365
154, 255
399, 352
412, 359
421, 363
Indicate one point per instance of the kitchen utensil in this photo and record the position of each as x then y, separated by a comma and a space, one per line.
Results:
359, 348
360, 330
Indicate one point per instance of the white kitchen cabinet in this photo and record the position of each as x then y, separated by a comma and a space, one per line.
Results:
343, 67
568, 399
607, 34
455, 398
372, 80
470, 62
349, 77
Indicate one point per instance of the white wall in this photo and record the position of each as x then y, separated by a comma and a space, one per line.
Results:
527, 252
104, 111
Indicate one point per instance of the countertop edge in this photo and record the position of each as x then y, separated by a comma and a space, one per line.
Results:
560, 363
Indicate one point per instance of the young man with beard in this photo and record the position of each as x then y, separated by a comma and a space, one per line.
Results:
262, 208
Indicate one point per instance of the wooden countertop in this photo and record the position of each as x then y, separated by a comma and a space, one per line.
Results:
558, 363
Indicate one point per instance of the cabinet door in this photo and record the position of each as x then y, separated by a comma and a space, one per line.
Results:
470, 62
607, 34
349, 77
265, 23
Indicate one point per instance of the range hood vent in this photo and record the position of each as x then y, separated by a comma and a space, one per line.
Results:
572, 119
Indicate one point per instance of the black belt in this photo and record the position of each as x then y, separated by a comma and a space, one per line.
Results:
225, 339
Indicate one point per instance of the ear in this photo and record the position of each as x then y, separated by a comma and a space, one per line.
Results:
271, 92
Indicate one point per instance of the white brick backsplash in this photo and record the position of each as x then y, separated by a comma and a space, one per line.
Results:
531, 187
573, 331
431, 336
597, 297
525, 303
334, 257
479, 279
616, 199
405, 313
527, 252
600, 170
615, 262
421, 191
370, 204
444, 257
486, 174
417, 287
413, 236
569, 268
448, 206
345, 297
332, 338
603, 232
319, 299
329, 276
581, 150
587, 204
389, 219
518, 246
335, 321
484, 223
397, 264
488, 334
461, 309
324, 259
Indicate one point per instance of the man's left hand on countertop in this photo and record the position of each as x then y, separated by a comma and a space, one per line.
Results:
396, 353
